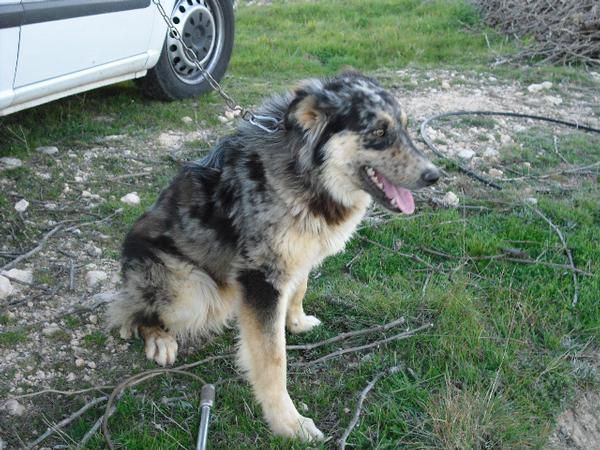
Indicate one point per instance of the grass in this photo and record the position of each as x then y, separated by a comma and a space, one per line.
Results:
502, 358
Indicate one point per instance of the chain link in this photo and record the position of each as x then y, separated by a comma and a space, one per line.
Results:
273, 124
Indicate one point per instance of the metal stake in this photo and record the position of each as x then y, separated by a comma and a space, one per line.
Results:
207, 398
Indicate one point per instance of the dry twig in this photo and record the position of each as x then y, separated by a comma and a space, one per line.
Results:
399, 336
33, 251
361, 399
350, 334
53, 429
567, 251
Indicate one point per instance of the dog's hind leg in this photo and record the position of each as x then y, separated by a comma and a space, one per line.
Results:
262, 355
296, 320
159, 345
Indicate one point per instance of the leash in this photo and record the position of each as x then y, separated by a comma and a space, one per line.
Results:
265, 123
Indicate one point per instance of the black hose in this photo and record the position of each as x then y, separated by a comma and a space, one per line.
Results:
469, 172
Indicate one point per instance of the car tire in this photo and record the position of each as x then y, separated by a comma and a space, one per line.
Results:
206, 26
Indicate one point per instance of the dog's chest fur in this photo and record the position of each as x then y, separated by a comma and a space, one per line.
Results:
306, 240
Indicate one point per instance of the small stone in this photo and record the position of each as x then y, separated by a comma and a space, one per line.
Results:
491, 153
303, 407
505, 139
50, 330
26, 276
78, 179
91, 364
86, 194
495, 173
13, 407
531, 200
50, 150
131, 199
553, 100
445, 85
21, 205
223, 119
450, 200
92, 250
71, 377
93, 319
5, 287
79, 362
8, 162
527, 165
93, 277
466, 153
187, 120
533, 88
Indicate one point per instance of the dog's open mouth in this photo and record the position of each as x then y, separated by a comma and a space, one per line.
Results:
393, 197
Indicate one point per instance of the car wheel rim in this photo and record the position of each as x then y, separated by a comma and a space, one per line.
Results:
200, 25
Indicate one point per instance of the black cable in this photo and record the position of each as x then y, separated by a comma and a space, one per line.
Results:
469, 172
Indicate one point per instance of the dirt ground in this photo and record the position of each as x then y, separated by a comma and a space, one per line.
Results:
60, 316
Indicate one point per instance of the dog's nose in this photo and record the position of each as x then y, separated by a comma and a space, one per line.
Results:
430, 176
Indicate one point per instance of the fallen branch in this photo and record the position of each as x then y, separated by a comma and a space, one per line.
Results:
504, 257
129, 382
361, 399
53, 429
33, 251
90, 433
567, 251
359, 348
411, 256
350, 334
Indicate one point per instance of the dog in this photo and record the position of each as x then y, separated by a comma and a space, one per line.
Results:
236, 234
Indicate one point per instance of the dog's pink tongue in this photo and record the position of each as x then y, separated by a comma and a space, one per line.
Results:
403, 197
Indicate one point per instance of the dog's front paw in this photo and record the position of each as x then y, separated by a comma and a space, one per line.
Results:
301, 324
298, 427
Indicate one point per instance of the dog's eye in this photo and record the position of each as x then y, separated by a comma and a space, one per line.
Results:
379, 132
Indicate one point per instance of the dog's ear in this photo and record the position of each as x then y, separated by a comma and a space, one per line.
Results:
310, 108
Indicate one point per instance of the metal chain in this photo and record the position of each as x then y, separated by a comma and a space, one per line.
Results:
247, 115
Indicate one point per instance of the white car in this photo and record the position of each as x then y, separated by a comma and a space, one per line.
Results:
53, 48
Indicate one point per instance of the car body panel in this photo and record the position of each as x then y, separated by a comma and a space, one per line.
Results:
102, 48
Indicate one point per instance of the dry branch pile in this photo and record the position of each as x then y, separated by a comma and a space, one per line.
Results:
563, 31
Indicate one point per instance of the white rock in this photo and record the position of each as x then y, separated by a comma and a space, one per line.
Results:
505, 139
553, 100
5, 287
527, 165
93, 277
93, 319
465, 153
79, 362
131, 199
71, 377
187, 120
490, 153
50, 150
86, 194
8, 162
539, 87
445, 85
223, 119
50, 330
450, 200
13, 407
92, 250
495, 173
531, 200
91, 364
21, 205
25, 276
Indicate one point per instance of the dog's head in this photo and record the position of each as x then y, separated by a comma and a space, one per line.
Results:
356, 139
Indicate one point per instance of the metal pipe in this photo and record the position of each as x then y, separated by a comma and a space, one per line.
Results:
207, 398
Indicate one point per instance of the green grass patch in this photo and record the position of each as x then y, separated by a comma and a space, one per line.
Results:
11, 338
